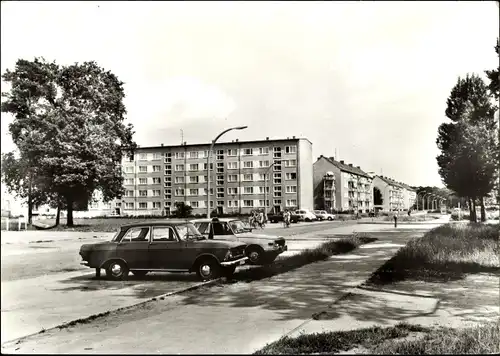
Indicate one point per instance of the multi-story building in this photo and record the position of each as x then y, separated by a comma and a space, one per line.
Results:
341, 187
409, 196
158, 177
392, 194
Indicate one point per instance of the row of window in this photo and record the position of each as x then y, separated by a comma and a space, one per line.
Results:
231, 178
201, 204
277, 190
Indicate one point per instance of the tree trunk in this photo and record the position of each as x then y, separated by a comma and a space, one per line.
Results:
58, 214
30, 210
483, 210
471, 214
474, 212
69, 218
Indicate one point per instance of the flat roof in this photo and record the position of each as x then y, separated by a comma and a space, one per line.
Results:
224, 143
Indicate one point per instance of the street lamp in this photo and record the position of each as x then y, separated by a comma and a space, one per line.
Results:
265, 191
426, 200
422, 199
208, 163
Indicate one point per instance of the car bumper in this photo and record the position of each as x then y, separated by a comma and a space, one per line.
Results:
237, 262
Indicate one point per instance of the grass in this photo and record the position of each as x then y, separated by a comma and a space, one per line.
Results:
483, 339
406, 218
443, 253
320, 253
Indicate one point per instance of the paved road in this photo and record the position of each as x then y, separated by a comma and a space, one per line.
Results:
235, 318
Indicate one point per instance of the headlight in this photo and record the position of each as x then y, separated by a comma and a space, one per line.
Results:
228, 256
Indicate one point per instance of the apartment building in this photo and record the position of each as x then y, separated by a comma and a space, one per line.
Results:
392, 192
341, 187
157, 177
409, 196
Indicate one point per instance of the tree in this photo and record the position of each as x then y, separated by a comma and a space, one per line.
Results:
469, 145
73, 116
494, 76
182, 210
377, 196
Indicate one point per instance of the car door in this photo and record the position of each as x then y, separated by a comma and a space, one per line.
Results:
164, 249
133, 247
221, 231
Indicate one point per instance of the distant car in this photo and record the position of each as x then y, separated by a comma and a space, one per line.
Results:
260, 249
305, 215
275, 218
163, 246
323, 215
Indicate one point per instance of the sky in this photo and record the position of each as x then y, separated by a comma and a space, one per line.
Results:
366, 82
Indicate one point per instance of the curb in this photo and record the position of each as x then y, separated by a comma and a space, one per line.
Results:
65, 325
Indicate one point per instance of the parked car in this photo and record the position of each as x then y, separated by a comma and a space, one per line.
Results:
275, 218
260, 249
323, 215
164, 246
305, 215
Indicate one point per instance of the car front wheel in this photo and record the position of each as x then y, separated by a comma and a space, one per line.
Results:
255, 255
208, 269
117, 270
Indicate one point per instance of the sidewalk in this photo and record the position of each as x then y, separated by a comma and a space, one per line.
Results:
235, 318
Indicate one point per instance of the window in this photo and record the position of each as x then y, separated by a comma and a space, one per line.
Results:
205, 166
193, 167
179, 167
291, 189
118, 204
179, 180
291, 149
247, 190
143, 205
129, 169
179, 192
220, 154
232, 191
291, 202
261, 190
194, 204
263, 164
232, 204
179, 155
291, 176
202, 227
277, 152
277, 201
193, 155
156, 180
248, 203
143, 193
232, 165
248, 164
277, 191
128, 181
157, 155
261, 203
247, 151
136, 234
129, 205
220, 203
193, 191
156, 168
211, 191
193, 179
156, 205
277, 178
232, 178
129, 193
232, 153
143, 169
262, 176
247, 177
143, 181
143, 156
263, 150
291, 163
156, 192
161, 233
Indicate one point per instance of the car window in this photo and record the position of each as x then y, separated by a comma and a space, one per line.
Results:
221, 228
163, 233
202, 227
136, 234
188, 231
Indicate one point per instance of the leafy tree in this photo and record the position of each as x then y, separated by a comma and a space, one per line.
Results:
182, 210
469, 146
69, 122
494, 76
377, 196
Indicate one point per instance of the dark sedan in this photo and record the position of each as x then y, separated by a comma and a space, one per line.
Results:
163, 246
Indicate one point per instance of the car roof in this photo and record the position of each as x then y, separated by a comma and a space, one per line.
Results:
155, 223
211, 220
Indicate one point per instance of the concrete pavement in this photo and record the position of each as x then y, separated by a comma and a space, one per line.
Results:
235, 318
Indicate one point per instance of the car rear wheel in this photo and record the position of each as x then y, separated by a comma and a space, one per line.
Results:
255, 255
207, 269
117, 270
330, 218
139, 273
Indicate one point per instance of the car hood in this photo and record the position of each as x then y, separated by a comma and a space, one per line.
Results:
254, 236
221, 243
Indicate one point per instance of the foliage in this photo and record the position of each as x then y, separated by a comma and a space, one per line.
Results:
377, 196
182, 210
494, 76
68, 122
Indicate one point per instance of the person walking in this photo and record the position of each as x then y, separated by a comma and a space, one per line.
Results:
261, 219
286, 218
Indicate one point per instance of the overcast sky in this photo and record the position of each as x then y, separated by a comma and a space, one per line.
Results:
369, 79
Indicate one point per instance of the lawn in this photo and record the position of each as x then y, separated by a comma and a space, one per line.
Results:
92, 225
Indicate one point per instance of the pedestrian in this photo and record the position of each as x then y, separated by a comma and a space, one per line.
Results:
261, 219
286, 218
396, 219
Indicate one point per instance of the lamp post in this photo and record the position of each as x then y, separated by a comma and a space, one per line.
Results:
426, 200
265, 191
422, 199
208, 163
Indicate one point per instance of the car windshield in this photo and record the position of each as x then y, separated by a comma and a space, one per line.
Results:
115, 236
188, 232
238, 226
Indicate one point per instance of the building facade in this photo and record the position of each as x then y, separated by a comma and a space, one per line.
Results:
158, 177
351, 191
409, 197
392, 192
